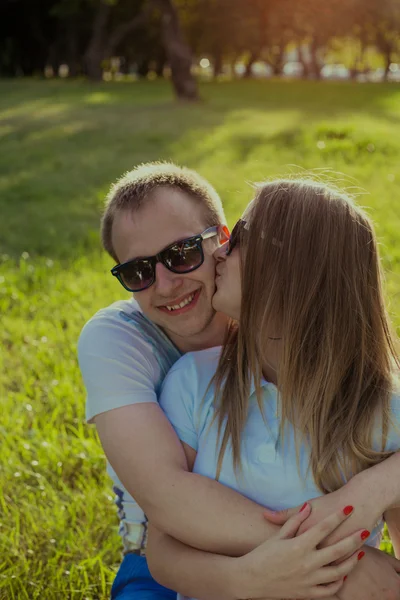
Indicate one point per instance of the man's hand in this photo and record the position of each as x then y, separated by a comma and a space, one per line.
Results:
376, 577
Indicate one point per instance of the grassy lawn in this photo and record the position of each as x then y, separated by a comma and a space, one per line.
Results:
62, 144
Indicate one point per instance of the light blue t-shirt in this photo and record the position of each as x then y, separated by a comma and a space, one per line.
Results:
270, 475
124, 358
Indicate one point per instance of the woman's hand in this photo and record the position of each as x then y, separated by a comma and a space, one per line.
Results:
286, 566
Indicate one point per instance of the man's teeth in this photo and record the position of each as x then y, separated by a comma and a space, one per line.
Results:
182, 304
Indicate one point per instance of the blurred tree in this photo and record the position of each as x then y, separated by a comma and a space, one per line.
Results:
113, 21
177, 50
148, 34
27, 32
316, 23
280, 31
385, 24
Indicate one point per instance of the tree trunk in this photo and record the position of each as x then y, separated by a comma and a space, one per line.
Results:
177, 51
249, 65
388, 62
217, 64
304, 62
385, 48
120, 32
72, 50
53, 58
143, 67
274, 59
233, 66
94, 54
161, 63
315, 63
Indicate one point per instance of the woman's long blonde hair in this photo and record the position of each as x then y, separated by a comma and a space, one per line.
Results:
310, 262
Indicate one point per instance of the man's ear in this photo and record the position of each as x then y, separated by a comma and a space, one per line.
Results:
223, 234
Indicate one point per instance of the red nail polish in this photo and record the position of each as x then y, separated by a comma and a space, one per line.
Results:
303, 507
360, 556
344, 578
348, 510
365, 534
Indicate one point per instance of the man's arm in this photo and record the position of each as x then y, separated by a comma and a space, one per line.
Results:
120, 375
375, 578
283, 566
148, 458
193, 573
372, 491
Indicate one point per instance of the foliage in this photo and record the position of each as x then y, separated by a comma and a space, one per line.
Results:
62, 145
85, 33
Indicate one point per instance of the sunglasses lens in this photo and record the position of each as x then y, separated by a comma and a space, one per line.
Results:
137, 275
235, 237
183, 256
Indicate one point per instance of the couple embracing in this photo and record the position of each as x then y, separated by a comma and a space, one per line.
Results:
249, 373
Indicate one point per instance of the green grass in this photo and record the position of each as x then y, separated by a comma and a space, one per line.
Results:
62, 144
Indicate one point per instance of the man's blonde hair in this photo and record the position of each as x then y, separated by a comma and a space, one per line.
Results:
136, 187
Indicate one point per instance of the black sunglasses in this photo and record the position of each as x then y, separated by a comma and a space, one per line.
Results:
183, 256
235, 237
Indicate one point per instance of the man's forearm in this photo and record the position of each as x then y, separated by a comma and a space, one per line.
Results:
208, 516
386, 477
191, 572
149, 460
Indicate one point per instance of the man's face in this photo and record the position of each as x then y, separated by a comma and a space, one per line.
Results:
168, 217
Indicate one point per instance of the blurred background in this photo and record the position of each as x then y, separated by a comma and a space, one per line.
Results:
136, 39
241, 90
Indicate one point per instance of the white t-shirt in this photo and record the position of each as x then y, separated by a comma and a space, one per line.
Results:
124, 358
270, 475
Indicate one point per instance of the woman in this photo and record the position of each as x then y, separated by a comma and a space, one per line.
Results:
303, 395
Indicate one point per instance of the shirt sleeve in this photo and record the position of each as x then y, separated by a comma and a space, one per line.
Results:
178, 397
393, 439
116, 365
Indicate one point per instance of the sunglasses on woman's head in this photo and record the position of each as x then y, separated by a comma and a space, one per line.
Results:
180, 257
236, 234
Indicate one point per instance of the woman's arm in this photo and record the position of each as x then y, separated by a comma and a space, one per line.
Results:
393, 522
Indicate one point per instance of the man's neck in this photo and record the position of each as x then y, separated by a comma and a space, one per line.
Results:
210, 337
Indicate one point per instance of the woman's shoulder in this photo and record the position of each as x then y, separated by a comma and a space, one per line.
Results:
189, 379
194, 371
201, 363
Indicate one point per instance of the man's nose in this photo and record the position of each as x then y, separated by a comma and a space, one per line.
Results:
220, 252
167, 281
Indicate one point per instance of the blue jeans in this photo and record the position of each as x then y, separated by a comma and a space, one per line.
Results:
134, 582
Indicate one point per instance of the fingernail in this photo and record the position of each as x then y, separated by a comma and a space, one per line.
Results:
360, 555
365, 534
303, 507
344, 578
348, 510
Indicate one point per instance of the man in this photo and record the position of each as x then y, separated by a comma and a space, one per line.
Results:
161, 225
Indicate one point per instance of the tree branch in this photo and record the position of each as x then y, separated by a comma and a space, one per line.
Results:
122, 30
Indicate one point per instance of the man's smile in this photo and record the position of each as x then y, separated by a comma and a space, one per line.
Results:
182, 304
